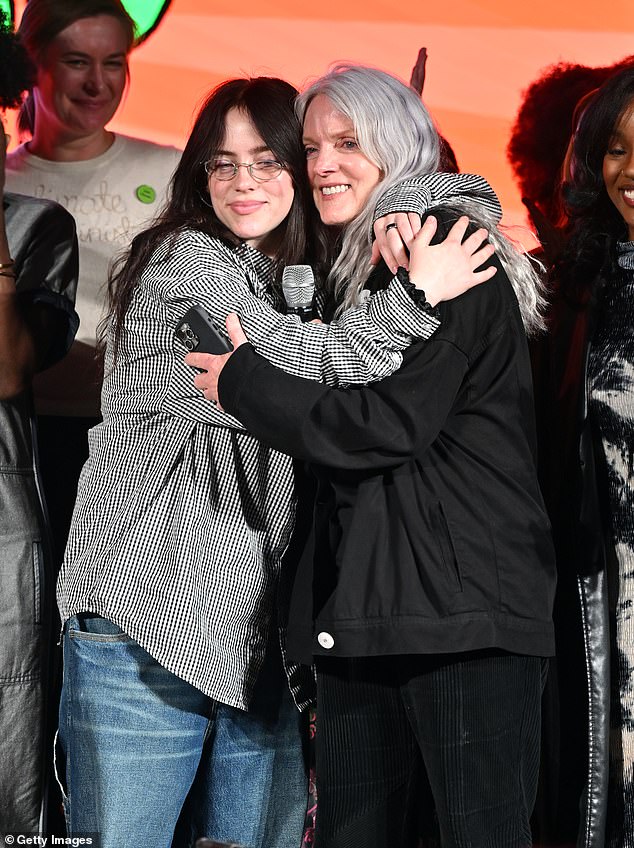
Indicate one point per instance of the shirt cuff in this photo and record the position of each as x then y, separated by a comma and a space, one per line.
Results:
417, 295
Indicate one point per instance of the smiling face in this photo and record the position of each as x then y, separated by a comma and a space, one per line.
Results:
81, 79
249, 208
341, 176
618, 169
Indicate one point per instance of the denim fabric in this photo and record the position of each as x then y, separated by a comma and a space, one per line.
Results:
150, 760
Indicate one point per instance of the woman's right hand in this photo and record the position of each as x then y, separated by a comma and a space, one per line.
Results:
448, 269
211, 364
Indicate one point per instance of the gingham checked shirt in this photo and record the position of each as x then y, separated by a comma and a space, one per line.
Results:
181, 516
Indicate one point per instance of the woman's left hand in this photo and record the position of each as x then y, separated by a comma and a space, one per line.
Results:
448, 269
393, 236
211, 364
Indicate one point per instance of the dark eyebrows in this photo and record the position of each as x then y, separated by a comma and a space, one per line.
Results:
252, 152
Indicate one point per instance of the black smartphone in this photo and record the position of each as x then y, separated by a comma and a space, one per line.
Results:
197, 332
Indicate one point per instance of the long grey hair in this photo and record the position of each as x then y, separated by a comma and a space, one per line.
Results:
396, 133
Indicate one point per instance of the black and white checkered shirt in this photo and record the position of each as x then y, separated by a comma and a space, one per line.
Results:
419, 194
182, 516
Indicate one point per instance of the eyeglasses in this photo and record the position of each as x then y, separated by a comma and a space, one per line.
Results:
265, 169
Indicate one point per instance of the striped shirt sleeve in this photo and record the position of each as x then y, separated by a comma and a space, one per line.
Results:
420, 194
363, 346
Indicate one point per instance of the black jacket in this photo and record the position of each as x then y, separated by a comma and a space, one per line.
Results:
430, 534
42, 241
572, 478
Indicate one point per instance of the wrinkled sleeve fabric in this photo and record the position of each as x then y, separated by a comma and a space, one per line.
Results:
43, 243
364, 345
420, 194
384, 424
378, 426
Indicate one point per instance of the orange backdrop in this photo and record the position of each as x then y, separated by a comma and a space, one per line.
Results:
482, 54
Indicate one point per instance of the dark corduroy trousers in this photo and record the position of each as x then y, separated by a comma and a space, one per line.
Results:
465, 725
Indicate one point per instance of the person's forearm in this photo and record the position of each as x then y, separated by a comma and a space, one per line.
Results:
378, 426
17, 350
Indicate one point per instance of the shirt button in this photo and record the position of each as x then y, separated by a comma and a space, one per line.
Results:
326, 640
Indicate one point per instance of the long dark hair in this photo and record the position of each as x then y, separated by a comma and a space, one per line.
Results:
269, 104
595, 223
541, 132
43, 20
16, 70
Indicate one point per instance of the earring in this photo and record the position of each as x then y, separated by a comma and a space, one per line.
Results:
204, 199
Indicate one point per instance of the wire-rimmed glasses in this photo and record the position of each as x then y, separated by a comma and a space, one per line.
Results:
262, 170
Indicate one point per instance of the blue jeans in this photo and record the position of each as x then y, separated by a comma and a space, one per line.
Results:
152, 761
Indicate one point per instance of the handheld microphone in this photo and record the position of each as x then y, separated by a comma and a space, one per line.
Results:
298, 286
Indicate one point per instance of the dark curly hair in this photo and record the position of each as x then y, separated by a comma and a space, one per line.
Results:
16, 71
595, 223
542, 129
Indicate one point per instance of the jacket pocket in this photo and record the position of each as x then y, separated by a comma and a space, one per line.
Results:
448, 557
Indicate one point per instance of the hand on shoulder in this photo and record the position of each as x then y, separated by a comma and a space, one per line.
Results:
449, 268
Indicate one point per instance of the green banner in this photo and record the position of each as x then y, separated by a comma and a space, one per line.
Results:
6, 6
147, 14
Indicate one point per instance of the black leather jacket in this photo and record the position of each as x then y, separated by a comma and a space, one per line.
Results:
571, 479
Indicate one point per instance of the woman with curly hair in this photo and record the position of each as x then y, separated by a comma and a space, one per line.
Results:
540, 137
589, 433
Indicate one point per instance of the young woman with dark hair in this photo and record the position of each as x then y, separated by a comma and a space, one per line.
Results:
267, 102
177, 718
587, 408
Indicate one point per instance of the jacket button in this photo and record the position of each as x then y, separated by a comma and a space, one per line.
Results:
326, 640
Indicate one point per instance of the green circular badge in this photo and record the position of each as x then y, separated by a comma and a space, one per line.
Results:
146, 194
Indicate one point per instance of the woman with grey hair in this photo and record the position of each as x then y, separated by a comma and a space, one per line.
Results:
424, 591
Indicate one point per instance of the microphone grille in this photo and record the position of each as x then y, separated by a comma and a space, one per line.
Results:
298, 285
